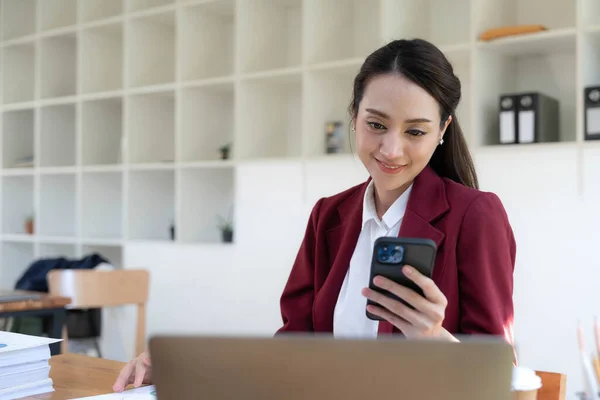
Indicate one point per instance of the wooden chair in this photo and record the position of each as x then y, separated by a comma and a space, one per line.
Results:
97, 289
553, 386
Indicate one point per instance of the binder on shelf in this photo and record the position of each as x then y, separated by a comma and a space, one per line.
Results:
508, 119
538, 118
592, 113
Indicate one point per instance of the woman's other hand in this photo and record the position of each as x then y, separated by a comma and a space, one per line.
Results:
137, 372
425, 321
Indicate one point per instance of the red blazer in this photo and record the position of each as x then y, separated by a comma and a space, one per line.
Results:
474, 264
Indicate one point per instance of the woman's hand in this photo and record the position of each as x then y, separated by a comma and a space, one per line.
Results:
425, 321
137, 371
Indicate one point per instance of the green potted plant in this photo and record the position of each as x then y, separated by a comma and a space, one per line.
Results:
226, 227
225, 150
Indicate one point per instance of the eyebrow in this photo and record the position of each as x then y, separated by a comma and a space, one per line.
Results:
384, 115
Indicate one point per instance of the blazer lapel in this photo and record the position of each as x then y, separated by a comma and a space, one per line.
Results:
341, 241
427, 203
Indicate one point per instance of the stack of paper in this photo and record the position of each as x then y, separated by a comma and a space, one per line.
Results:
24, 367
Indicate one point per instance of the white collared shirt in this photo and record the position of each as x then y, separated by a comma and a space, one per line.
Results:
349, 318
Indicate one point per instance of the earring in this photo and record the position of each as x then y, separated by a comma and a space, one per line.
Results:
441, 142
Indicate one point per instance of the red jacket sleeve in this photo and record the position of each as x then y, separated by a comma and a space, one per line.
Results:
486, 258
296, 301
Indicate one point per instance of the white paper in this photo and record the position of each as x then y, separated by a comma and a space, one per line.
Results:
507, 127
143, 393
10, 341
524, 379
593, 121
526, 126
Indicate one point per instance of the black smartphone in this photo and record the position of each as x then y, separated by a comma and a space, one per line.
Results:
390, 254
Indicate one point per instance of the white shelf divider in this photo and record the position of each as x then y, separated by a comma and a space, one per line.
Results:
140, 5
16, 258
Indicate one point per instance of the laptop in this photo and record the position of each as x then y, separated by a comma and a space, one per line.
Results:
295, 367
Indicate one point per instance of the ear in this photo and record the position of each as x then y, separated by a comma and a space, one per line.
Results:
446, 124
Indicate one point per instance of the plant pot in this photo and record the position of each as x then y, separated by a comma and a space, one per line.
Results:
224, 154
29, 227
227, 236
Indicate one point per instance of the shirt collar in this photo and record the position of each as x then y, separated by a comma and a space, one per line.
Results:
392, 216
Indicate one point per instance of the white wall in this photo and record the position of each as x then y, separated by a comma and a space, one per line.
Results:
224, 289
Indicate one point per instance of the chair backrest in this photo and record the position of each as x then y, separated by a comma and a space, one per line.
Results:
97, 289
553, 386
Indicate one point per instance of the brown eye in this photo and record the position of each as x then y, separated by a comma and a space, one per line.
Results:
416, 132
376, 126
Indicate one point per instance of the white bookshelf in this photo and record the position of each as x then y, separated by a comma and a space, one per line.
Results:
114, 111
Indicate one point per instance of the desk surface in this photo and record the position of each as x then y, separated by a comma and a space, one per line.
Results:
45, 302
75, 375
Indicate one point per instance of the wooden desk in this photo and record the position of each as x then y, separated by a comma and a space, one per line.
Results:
46, 305
76, 375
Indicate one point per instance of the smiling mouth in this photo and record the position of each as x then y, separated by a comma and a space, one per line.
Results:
389, 166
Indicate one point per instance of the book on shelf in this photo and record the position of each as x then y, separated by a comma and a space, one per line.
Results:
24, 365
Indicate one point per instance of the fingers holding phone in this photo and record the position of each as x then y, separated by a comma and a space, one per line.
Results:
417, 315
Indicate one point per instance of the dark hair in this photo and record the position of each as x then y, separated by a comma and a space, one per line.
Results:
425, 65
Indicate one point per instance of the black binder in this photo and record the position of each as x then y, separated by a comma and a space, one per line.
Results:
538, 118
592, 113
508, 119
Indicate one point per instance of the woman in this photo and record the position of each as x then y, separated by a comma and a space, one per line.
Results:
422, 184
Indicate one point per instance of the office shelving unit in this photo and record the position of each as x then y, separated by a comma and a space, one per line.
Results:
114, 111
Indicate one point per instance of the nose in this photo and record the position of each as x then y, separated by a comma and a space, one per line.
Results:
392, 145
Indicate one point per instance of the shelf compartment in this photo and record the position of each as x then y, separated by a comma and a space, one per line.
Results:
552, 41
102, 126
17, 203
590, 46
18, 139
56, 14
330, 93
102, 58
151, 50
19, 73
270, 117
57, 250
341, 29
140, 5
493, 14
270, 34
591, 13
102, 199
92, 10
18, 18
151, 122
58, 66
549, 71
427, 20
205, 44
57, 136
16, 258
151, 205
112, 254
57, 206
206, 122
212, 191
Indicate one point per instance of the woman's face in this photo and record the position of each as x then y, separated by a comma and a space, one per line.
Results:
397, 131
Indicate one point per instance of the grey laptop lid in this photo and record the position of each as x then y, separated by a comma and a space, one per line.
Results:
318, 368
